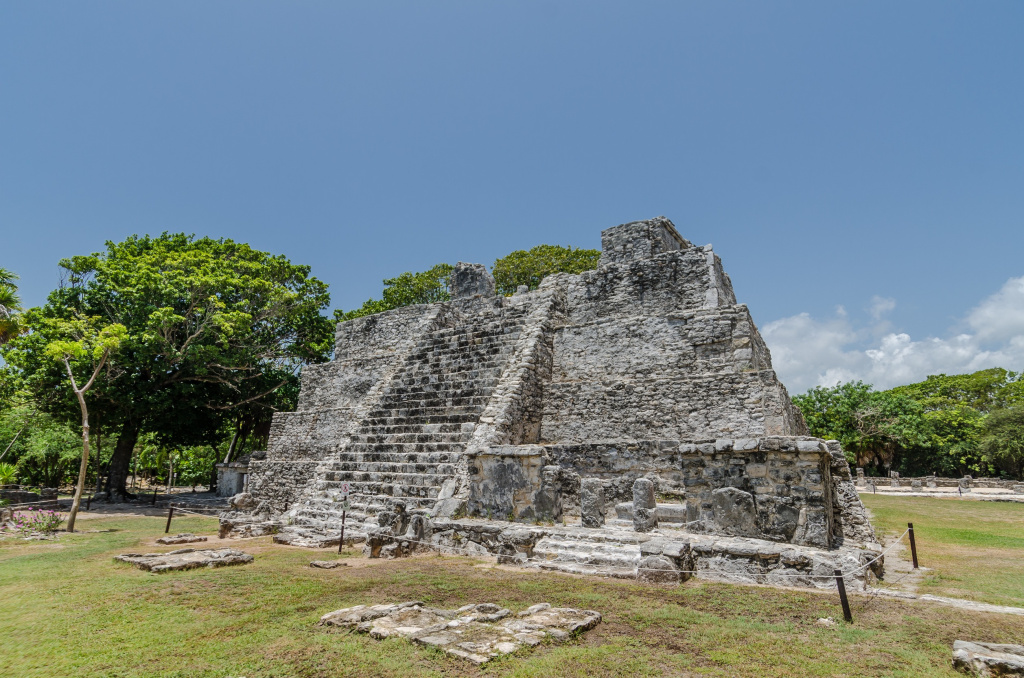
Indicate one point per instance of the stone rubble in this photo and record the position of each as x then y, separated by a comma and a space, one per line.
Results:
185, 559
988, 660
184, 538
477, 633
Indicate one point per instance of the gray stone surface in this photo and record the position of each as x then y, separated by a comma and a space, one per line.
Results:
988, 660
185, 538
485, 405
592, 502
185, 559
645, 515
734, 512
477, 633
327, 564
469, 280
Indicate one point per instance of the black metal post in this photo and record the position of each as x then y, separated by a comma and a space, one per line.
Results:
842, 597
154, 497
88, 503
341, 544
913, 544
170, 512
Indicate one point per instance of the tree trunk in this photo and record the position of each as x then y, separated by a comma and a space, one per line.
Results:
120, 463
80, 486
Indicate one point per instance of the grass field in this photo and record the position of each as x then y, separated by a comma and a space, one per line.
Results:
974, 548
67, 609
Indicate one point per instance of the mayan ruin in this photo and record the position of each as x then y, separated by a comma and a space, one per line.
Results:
625, 420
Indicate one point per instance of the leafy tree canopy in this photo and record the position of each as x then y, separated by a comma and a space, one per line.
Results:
10, 306
522, 267
213, 328
425, 287
1003, 440
946, 424
530, 267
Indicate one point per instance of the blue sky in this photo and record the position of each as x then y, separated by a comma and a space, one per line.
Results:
858, 166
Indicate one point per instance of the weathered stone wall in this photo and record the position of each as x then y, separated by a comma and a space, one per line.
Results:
772, 488
508, 483
645, 366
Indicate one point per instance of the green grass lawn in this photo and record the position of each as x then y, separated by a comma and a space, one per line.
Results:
67, 609
975, 548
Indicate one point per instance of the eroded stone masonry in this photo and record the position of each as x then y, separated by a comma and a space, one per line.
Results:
640, 394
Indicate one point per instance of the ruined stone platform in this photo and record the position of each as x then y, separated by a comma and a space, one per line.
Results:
477, 633
185, 559
554, 403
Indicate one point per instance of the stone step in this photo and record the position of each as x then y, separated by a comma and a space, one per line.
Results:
398, 458
406, 412
451, 403
425, 428
371, 424
339, 468
401, 448
467, 389
393, 490
563, 550
404, 438
413, 479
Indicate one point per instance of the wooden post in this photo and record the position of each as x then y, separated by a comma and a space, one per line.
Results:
913, 544
842, 596
170, 512
88, 503
154, 496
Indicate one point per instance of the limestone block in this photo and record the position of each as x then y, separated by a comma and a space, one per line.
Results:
658, 569
471, 280
477, 633
185, 559
645, 516
592, 502
988, 659
735, 512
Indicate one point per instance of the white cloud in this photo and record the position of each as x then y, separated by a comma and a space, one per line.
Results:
807, 352
880, 306
1001, 316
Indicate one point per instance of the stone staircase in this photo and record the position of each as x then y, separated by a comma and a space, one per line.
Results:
610, 554
411, 442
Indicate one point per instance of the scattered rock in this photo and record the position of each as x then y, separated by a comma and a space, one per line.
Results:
327, 564
827, 622
242, 501
186, 538
185, 559
477, 633
988, 659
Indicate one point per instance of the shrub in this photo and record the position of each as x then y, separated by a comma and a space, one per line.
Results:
8, 473
38, 520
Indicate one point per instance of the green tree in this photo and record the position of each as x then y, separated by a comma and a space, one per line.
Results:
983, 391
1003, 440
10, 306
83, 345
425, 287
530, 267
214, 329
872, 426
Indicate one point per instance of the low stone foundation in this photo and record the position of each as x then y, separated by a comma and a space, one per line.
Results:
664, 555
